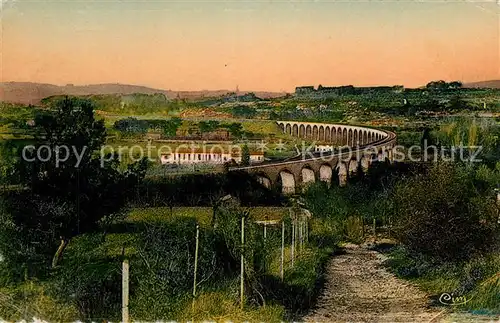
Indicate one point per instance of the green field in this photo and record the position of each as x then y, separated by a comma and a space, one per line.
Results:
203, 214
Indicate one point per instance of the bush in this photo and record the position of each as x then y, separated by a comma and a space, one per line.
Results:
28, 235
301, 284
354, 229
31, 300
89, 279
164, 263
441, 214
407, 264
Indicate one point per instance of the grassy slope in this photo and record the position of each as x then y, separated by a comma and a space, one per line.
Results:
36, 299
478, 280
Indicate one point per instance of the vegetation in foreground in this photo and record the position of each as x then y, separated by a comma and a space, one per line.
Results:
444, 218
450, 235
160, 248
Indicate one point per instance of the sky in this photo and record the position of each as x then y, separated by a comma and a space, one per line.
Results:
253, 45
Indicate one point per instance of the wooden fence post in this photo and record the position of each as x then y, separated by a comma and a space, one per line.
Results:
301, 234
307, 231
297, 236
196, 265
498, 203
282, 269
242, 266
125, 291
293, 241
389, 224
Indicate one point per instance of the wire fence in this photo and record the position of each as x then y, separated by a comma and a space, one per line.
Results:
289, 236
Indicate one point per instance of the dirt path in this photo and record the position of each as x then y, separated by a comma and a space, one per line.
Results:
359, 289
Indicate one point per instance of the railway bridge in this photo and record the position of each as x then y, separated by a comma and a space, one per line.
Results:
356, 148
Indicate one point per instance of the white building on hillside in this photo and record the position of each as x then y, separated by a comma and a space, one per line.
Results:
323, 148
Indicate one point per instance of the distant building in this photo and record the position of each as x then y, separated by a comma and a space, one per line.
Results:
304, 90
234, 97
191, 132
219, 134
326, 91
194, 133
207, 156
153, 135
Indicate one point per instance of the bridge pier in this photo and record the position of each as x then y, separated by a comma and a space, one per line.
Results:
342, 172
308, 177
365, 163
264, 181
287, 182
325, 174
353, 167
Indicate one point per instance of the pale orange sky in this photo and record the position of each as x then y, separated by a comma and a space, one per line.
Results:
258, 45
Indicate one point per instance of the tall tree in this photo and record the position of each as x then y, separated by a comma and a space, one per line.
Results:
8, 157
236, 129
208, 126
171, 126
72, 185
245, 155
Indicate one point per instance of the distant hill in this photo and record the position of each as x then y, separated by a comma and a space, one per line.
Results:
32, 93
493, 84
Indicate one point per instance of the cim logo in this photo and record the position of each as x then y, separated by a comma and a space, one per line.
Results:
450, 299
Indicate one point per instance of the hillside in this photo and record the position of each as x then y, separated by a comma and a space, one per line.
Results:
493, 84
32, 93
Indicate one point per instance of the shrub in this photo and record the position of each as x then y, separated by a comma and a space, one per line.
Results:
28, 235
482, 272
410, 265
31, 300
354, 229
88, 279
164, 265
441, 214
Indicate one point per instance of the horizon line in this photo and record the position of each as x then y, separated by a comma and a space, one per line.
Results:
236, 90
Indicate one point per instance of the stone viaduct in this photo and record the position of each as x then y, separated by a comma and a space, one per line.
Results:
355, 148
